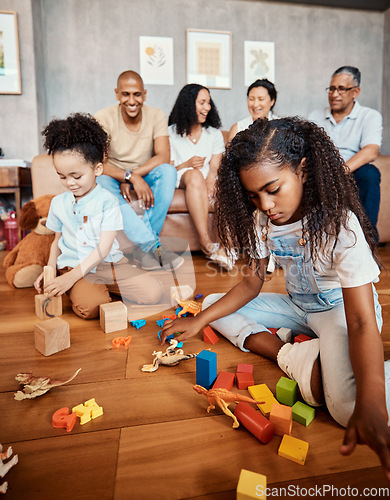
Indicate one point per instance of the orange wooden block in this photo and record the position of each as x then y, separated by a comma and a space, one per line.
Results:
209, 335
244, 380
244, 368
225, 380
51, 336
281, 416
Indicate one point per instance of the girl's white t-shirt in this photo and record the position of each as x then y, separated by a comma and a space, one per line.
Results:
353, 263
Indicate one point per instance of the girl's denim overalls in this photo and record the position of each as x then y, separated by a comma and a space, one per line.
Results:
305, 309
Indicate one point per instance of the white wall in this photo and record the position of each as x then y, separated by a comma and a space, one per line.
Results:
86, 44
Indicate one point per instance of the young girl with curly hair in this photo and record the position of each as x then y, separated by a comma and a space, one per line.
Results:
283, 190
196, 149
85, 220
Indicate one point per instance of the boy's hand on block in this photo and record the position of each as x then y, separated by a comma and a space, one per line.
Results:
188, 327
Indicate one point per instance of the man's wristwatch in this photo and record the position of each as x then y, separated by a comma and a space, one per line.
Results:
128, 175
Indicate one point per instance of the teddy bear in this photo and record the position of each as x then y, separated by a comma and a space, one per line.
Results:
25, 261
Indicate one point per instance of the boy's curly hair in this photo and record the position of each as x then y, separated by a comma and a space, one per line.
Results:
329, 190
183, 114
78, 132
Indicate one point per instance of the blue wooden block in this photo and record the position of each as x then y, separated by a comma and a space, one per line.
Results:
206, 369
139, 323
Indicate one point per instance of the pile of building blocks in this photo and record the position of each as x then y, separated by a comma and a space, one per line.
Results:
244, 376
113, 316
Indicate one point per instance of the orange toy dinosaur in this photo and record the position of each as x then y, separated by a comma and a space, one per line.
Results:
223, 397
190, 306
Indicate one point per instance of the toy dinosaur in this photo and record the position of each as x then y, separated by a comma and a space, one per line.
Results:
36, 386
5, 467
223, 397
190, 306
170, 357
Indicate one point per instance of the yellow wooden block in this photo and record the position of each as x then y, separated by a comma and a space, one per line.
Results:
261, 392
293, 449
83, 412
251, 485
94, 408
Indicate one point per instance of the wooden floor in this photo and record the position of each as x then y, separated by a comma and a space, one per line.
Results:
155, 439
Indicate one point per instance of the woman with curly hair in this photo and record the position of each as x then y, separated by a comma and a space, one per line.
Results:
85, 220
196, 149
283, 189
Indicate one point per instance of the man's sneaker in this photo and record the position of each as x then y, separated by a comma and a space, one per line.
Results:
146, 260
167, 259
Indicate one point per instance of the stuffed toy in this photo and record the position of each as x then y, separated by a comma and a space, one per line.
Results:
25, 262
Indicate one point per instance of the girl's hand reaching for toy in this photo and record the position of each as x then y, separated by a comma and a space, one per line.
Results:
38, 283
188, 327
368, 426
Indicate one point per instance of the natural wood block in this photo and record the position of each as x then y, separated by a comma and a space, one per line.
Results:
113, 316
49, 273
51, 336
46, 307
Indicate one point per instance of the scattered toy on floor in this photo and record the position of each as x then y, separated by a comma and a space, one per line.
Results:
170, 357
139, 323
190, 306
118, 341
5, 467
223, 397
36, 386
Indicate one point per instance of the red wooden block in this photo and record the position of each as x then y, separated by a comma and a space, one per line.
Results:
243, 368
302, 338
209, 335
273, 331
255, 422
244, 380
225, 380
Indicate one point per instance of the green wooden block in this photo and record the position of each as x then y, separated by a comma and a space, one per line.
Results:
287, 391
302, 413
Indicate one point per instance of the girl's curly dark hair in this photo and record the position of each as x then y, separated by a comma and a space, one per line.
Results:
78, 132
183, 114
329, 190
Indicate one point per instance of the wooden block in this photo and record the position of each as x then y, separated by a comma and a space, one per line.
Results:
244, 368
51, 336
182, 292
47, 307
113, 316
251, 485
302, 413
293, 449
206, 369
261, 392
49, 273
244, 380
284, 334
210, 336
225, 380
287, 391
281, 416
302, 338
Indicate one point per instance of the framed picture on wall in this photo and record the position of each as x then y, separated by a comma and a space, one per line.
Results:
259, 61
156, 60
209, 60
10, 81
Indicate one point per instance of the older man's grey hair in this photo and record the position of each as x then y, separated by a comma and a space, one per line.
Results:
349, 70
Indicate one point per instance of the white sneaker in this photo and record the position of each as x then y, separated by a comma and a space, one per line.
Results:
297, 360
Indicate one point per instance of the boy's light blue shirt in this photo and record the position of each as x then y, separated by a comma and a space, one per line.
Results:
361, 127
81, 223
